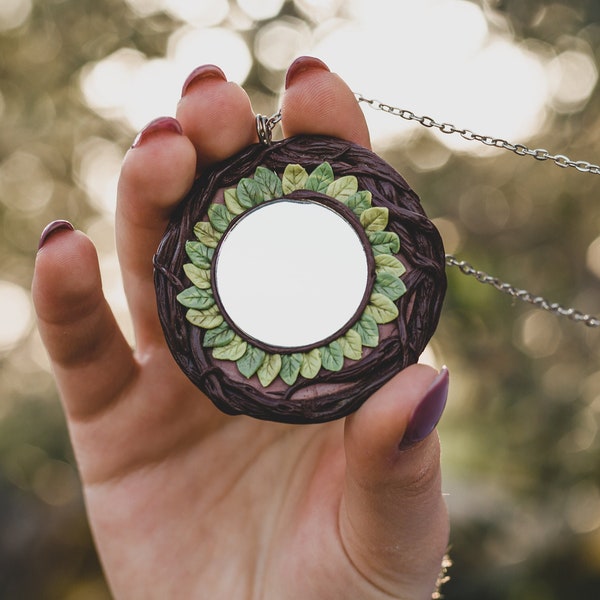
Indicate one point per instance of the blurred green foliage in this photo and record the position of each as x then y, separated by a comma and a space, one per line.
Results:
522, 451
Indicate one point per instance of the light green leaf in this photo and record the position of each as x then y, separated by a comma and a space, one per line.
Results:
268, 182
368, 330
269, 369
374, 218
359, 202
343, 188
290, 367
194, 297
381, 308
320, 179
249, 363
249, 193
311, 364
389, 286
351, 345
332, 356
219, 217
231, 202
294, 178
219, 336
199, 254
206, 234
199, 277
386, 263
384, 242
207, 319
232, 351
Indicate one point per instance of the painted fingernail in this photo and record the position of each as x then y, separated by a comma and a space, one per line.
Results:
202, 72
160, 124
53, 227
428, 412
304, 63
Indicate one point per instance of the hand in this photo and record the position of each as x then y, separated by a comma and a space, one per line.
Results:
184, 501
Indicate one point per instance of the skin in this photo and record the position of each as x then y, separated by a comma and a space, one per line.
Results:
184, 501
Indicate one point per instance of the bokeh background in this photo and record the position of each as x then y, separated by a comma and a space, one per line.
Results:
521, 457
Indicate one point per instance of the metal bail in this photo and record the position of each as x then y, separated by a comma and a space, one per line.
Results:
264, 129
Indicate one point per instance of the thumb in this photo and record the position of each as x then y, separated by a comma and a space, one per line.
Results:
393, 519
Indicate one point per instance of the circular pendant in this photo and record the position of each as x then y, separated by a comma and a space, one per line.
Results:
297, 278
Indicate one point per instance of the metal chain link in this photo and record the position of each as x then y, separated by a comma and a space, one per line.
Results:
538, 153
523, 295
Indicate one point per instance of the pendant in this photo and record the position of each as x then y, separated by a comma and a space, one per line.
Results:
296, 278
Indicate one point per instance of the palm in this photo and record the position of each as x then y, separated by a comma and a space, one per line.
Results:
184, 501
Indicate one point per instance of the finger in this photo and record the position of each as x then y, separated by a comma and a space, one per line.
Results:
90, 357
159, 170
319, 102
393, 513
216, 115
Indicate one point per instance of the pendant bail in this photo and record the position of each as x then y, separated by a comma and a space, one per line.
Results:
265, 126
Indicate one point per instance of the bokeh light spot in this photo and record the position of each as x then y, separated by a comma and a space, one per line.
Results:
15, 314
13, 13
279, 42
261, 9
573, 77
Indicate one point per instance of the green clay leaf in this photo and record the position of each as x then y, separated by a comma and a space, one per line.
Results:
320, 179
386, 263
249, 363
269, 369
343, 188
206, 234
368, 330
194, 297
249, 193
290, 367
199, 254
268, 182
311, 364
374, 218
389, 286
232, 351
359, 202
381, 308
351, 345
219, 217
332, 356
219, 336
199, 277
384, 242
294, 178
231, 202
207, 319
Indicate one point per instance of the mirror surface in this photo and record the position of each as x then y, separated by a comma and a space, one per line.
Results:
291, 273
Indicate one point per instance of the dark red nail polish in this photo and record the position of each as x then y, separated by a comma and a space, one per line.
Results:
52, 228
160, 124
428, 412
202, 72
304, 63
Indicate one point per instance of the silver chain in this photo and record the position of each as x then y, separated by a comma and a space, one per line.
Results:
265, 126
538, 153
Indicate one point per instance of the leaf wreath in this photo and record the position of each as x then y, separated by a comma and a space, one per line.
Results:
266, 185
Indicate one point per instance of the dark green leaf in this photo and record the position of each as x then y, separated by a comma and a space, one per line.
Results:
219, 217
268, 182
200, 255
384, 242
358, 202
332, 356
320, 179
219, 336
390, 286
250, 361
368, 330
290, 367
249, 193
194, 297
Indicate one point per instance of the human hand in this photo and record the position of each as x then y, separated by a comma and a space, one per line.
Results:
184, 501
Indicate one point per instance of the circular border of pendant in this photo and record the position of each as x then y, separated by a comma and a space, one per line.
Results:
327, 395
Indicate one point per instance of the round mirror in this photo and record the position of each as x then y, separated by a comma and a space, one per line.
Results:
291, 273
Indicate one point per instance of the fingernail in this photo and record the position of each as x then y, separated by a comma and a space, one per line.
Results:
52, 228
428, 412
160, 124
304, 63
202, 72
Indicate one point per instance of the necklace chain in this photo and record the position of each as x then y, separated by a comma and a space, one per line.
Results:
538, 153
265, 127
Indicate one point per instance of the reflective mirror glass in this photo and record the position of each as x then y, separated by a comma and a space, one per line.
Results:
291, 273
